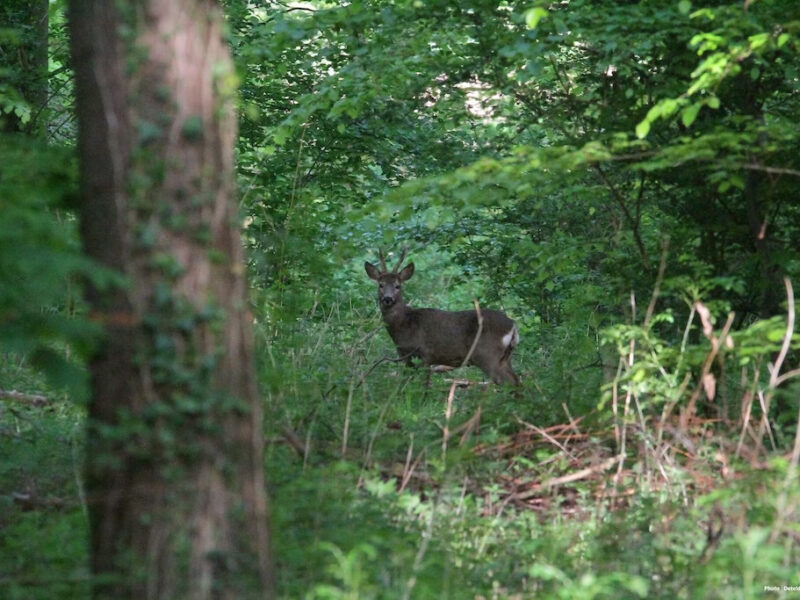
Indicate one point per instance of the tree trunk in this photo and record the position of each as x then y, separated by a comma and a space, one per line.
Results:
757, 195
175, 449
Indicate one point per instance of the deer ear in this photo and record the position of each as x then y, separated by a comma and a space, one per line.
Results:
372, 271
407, 272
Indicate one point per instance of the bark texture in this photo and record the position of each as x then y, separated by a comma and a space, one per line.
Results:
175, 449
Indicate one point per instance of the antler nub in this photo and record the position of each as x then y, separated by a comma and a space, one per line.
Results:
383, 260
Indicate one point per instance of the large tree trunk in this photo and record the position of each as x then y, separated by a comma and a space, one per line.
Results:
175, 449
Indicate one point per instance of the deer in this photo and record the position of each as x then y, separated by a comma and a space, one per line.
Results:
484, 338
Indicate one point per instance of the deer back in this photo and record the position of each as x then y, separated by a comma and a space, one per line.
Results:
440, 337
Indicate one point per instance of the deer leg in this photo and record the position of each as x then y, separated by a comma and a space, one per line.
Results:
504, 373
512, 376
495, 363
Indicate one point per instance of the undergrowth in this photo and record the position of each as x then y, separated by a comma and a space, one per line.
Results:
650, 489
383, 488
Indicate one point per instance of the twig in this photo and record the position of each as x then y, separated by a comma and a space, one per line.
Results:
348, 406
615, 402
371, 368
791, 479
406, 470
477, 335
449, 406
572, 422
764, 424
774, 369
632, 222
786, 376
448, 411
469, 427
716, 343
548, 437
584, 473
645, 324
628, 395
770, 170
747, 409
787, 338
659, 278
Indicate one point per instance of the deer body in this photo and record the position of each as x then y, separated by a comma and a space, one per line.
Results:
440, 337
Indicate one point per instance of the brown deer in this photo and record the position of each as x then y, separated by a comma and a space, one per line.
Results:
441, 337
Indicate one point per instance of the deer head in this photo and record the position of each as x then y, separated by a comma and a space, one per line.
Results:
390, 283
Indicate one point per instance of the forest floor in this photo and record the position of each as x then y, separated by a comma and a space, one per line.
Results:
388, 489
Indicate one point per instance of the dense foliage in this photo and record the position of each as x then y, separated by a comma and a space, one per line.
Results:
621, 177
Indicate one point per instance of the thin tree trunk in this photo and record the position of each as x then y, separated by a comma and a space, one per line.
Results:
175, 447
758, 199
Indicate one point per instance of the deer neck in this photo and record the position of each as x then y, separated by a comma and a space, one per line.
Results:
394, 315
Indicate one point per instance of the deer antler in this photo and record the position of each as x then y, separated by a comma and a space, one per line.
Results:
382, 259
402, 258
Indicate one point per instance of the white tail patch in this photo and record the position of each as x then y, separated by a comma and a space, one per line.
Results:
511, 338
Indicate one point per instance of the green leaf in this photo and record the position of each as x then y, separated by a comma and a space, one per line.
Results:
642, 129
534, 15
280, 136
689, 114
684, 6
758, 40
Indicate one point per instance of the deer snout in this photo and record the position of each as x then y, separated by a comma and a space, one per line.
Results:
387, 300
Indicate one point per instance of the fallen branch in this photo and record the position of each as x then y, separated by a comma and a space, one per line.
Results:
21, 397
571, 477
27, 501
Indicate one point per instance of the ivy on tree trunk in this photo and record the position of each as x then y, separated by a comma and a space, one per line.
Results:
175, 450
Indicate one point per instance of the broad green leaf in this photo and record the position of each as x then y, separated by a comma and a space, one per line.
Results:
534, 15
758, 40
689, 114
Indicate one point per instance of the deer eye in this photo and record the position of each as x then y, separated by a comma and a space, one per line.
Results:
380, 285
